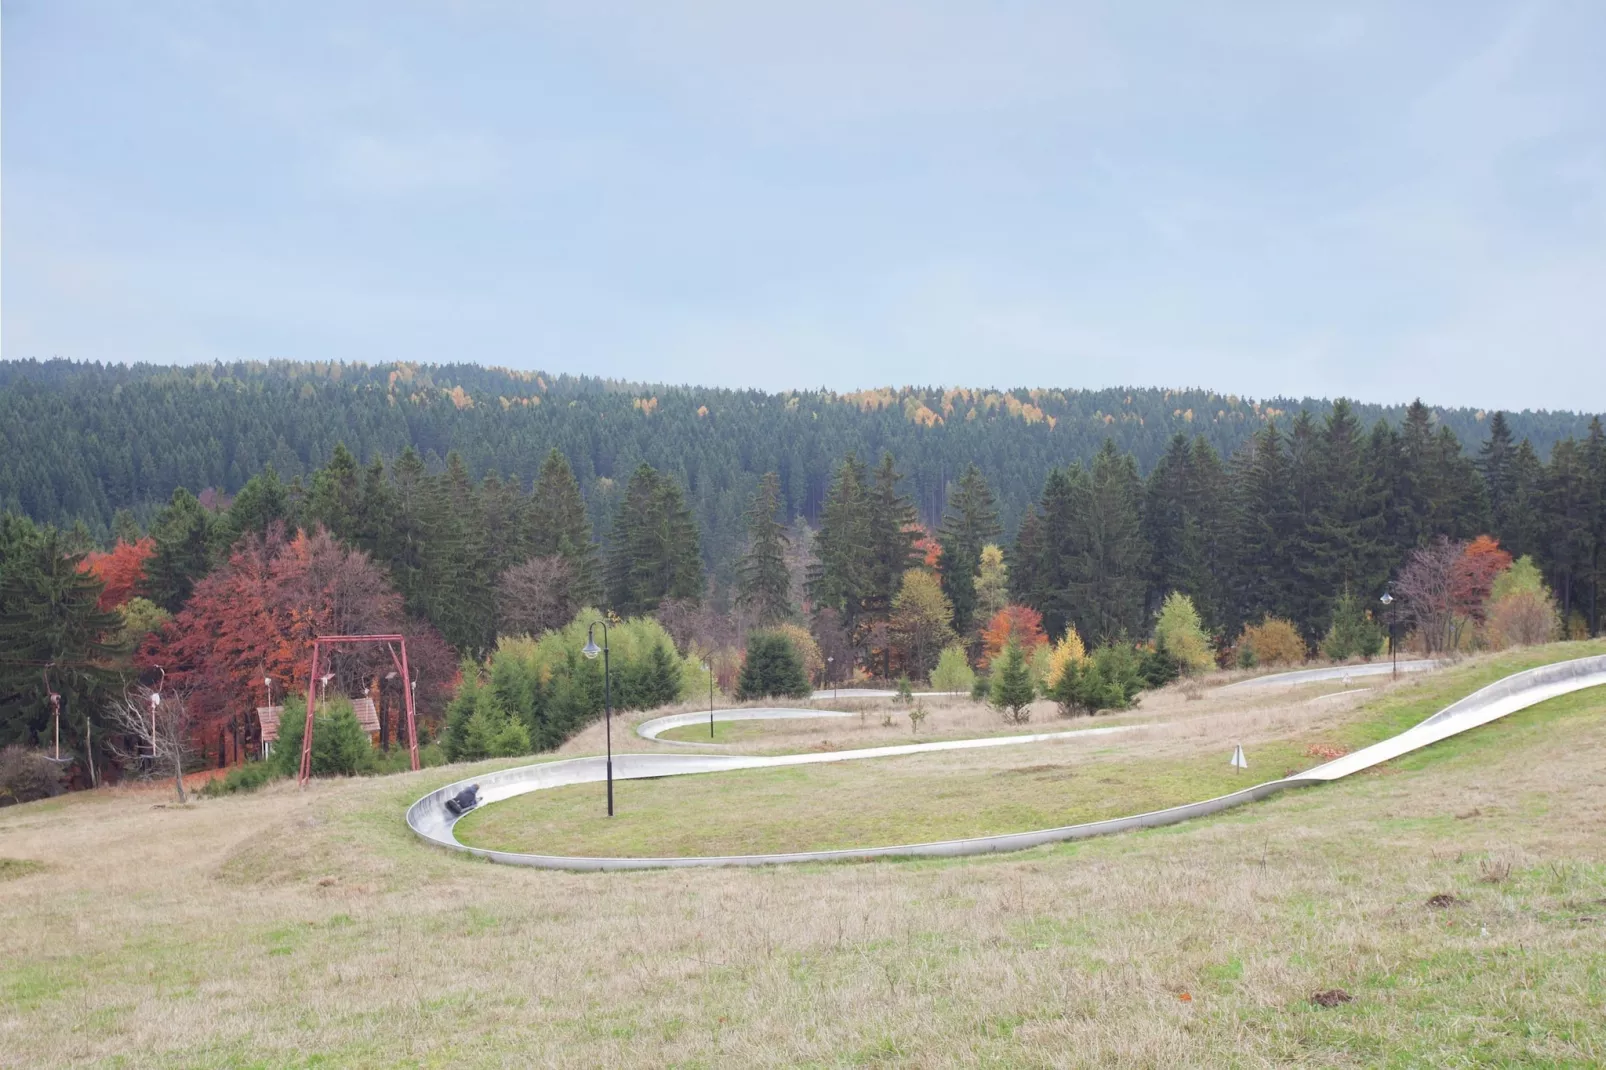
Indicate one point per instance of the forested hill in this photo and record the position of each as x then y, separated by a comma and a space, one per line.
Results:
84, 440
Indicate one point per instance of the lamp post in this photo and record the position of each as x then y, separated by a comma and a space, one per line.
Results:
710, 672
1394, 647
832, 674
590, 651
156, 700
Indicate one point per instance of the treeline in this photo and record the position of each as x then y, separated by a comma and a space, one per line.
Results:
83, 441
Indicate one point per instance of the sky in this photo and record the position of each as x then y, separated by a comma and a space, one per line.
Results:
1372, 200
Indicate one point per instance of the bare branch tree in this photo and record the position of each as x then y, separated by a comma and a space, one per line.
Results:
1428, 586
536, 596
159, 726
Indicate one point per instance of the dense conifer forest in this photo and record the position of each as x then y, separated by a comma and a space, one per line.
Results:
203, 523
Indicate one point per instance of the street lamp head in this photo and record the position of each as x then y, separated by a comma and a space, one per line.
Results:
591, 649
1387, 598
267, 681
325, 678
390, 676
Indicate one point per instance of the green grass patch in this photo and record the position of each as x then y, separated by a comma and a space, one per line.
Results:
910, 799
12, 868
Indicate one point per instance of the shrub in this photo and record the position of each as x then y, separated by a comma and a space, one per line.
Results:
1521, 575
772, 669
1013, 690
479, 725
340, 747
1181, 637
807, 647
1273, 641
1109, 679
1353, 633
649, 682
247, 777
1157, 667
906, 689
981, 689
916, 715
953, 671
27, 775
1521, 618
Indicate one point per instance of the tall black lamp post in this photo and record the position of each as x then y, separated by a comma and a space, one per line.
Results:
709, 670
590, 651
1394, 646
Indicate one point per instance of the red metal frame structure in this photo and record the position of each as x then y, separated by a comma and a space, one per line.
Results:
312, 692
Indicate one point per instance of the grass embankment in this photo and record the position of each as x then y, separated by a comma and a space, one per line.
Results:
288, 929
949, 795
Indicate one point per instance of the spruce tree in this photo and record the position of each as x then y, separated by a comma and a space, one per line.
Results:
764, 584
971, 523
890, 535
558, 524
1110, 561
654, 553
1012, 688
336, 495
840, 575
182, 533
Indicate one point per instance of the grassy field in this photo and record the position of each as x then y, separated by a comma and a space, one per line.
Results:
912, 799
311, 929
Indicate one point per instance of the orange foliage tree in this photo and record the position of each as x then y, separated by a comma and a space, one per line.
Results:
927, 550
121, 570
255, 617
1474, 574
1021, 624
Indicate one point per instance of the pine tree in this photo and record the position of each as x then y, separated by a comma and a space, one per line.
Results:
261, 502
335, 497
1265, 520
840, 574
772, 669
376, 513
890, 535
1012, 687
558, 524
1110, 560
53, 630
1495, 460
764, 583
654, 553
970, 524
182, 533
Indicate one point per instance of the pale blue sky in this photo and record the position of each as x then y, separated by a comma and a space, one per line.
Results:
1377, 199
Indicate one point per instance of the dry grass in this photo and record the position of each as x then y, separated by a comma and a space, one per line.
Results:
289, 929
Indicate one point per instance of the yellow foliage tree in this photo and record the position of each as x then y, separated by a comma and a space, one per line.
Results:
1068, 651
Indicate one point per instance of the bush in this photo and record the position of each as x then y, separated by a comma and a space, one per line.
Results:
772, 669
1273, 641
953, 671
1353, 632
1181, 637
27, 775
649, 682
981, 688
906, 690
1521, 618
1157, 667
1013, 690
247, 777
478, 725
1109, 679
340, 747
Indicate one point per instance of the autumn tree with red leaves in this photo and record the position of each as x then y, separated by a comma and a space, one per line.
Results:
1474, 575
121, 570
256, 616
1020, 624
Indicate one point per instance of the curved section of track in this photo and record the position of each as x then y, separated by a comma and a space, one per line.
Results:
1337, 672
429, 818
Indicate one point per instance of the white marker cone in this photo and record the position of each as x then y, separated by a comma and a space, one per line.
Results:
1238, 760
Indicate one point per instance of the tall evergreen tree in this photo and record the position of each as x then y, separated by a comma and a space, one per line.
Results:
182, 532
764, 584
1265, 517
839, 576
1108, 572
335, 498
558, 525
1495, 460
654, 554
970, 524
